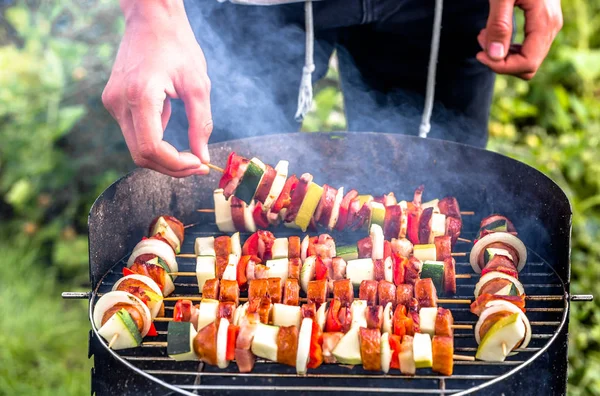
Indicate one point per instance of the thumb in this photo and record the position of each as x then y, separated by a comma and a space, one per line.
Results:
499, 28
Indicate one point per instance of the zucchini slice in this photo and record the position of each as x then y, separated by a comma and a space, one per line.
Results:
180, 341
251, 180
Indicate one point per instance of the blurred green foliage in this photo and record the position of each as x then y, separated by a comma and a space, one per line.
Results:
54, 60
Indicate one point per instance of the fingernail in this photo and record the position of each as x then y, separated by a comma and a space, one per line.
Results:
496, 50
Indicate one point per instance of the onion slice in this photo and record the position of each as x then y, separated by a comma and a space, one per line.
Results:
496, 306
497, 274
303, 345
222, 361
112, 298
495, 237
155, 309
158, 248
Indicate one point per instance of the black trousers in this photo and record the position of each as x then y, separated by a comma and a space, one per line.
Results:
255, 57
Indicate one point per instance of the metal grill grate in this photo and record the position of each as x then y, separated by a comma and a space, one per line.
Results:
547, 310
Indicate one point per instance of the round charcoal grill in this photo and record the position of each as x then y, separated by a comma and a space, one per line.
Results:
375, 163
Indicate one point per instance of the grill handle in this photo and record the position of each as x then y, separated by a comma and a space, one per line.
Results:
75, 295
582, 297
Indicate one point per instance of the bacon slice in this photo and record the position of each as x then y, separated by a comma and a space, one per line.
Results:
234, 171
443, 354
226, 310
291, 292
317, 292
359, 216
494, 286
330, 341
365, 247
309, 311
374, 317
368, 291
453, 227
265, 244
449, 207
275, 290
478, 306
338, 266
343, 290
425, 293
379, 270
287, 345
412, 271
230, 291
402, 246
370, 349
205, 344
404, 293
211, 289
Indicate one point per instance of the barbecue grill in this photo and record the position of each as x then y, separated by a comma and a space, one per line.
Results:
376, 163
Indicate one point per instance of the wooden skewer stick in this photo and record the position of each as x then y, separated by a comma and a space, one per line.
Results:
214, 167
467, 213
463, 276
453, 301
191, 225
165, 319
186, 255
182, 273
155, 343
464, 240
464, 357
113, 340
462, 327
462, 213
206, 210
462, 254
504, 352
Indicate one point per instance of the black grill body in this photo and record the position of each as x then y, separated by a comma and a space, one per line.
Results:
373, 163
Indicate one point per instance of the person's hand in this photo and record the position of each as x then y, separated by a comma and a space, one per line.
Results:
158, 59
543, 21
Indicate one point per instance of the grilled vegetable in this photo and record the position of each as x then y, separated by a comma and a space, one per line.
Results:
180, 341
501, 338
359, 270
286, 315
304, 338
435, 271
348, 350
264, 343
422, 351
205, 246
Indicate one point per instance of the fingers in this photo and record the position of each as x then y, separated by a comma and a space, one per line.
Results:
543, 20
165, 116
197, 107
146, 107
499, 28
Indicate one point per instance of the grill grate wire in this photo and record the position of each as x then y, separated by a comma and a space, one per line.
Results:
547, 310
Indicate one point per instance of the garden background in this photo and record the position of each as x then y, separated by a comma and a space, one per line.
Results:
59, 149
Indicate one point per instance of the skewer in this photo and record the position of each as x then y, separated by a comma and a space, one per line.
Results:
464, 240
460, 239
191, 225
214, 167
182, 273
453, 301
467, 213
186, 255
504, 349
463, 254
464, 357
113, 340
463, 276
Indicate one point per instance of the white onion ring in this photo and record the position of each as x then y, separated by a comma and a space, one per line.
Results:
112, 298
497, 274
499, 306
502, 237
158, 248
148, 282
304, 248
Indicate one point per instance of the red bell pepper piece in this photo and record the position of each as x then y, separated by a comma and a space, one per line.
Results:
413, 217
260, 217
399, 265
285, 198
320, 269
250, 247
395, 342
127, 271
152, 332
333, 322
232, 334
315, 358
182, 312
402, 324
227, 175
387, 249
344, 208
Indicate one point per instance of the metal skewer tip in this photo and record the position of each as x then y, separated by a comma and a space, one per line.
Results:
214, 167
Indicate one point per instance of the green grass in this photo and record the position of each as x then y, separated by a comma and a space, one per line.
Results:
43, 339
